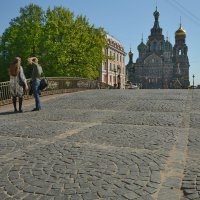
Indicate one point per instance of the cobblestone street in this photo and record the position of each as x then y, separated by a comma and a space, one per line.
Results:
103, 144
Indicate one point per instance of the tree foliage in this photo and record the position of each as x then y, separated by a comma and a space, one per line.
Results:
22, 37
65, 45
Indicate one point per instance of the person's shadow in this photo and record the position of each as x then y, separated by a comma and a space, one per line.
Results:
8, 113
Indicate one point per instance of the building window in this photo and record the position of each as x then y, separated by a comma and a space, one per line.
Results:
104, 67
110, 53
122, 70
161, 46
154, 46
110, 79
105, 51
110, 66
104, 78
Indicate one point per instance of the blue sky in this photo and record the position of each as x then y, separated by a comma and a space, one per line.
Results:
126, 20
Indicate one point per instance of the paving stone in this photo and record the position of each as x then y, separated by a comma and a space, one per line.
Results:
103, 144
173, 182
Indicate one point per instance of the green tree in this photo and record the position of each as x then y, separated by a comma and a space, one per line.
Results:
22, 37
86, 49
3, 65
72, 47
55, 40
65, 45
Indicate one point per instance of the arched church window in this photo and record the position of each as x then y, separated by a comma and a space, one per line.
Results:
179, 52
161, 45
154, 46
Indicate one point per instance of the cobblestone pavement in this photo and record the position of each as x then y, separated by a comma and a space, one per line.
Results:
103, 144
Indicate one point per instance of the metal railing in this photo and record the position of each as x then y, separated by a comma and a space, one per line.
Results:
56, 85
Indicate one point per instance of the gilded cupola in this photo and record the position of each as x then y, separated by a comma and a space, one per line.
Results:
180, 32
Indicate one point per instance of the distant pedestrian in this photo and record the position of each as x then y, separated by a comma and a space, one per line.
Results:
98, 83
18, 83
35, 79
118, 82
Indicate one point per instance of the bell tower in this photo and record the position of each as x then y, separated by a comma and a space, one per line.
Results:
181, 61
130, 68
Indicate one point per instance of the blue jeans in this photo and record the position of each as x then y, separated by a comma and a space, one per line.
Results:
35, 87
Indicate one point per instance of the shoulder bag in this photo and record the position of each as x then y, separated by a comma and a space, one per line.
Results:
21, 82
43, 83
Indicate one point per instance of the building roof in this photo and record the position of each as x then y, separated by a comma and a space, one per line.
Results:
114, 42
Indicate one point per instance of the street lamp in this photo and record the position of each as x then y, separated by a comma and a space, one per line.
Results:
193, 80
119, 77
146, 81
115, 84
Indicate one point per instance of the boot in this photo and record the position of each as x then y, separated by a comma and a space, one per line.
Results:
14, 100
20, 104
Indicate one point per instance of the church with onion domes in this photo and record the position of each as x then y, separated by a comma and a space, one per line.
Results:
159, 64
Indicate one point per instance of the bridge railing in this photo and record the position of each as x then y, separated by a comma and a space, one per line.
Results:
56, 85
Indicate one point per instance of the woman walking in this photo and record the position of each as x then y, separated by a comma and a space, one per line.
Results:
18, 83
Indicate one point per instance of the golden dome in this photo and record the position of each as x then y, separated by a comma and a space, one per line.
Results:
180, 32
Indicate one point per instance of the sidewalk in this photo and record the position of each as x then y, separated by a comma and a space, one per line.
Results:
103, 145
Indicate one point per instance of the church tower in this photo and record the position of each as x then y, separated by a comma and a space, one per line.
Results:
180, 57
156, 39
154, 66
160, 64
130, 70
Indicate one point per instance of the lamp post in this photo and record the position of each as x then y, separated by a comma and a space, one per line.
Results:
146, 81
115, 84
193, 81
119, 77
